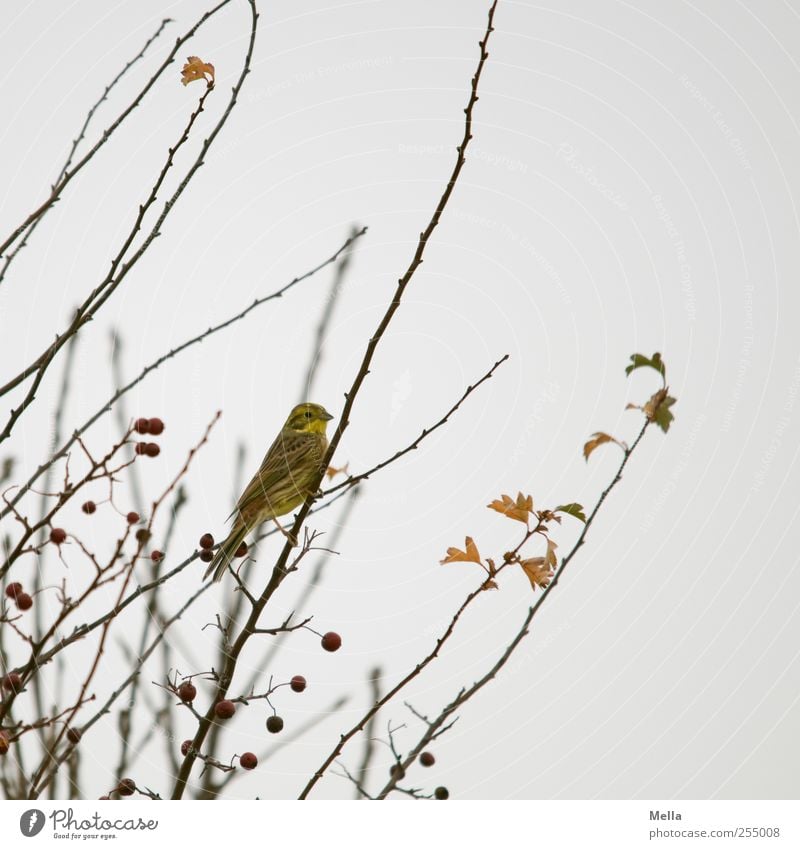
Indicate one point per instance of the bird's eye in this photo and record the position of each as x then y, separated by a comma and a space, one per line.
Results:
307, 414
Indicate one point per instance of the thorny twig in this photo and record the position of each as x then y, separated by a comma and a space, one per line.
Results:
279, 571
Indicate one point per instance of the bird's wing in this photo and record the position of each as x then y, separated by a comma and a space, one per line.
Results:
278, 471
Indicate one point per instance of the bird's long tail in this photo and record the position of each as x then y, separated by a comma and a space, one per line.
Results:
226, 551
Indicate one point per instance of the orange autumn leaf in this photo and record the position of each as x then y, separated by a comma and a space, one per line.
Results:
597, 439
469, 555
550, 557
332, 471
538, 571
519, 509
196, 69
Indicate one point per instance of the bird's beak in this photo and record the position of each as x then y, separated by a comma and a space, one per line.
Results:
327, 416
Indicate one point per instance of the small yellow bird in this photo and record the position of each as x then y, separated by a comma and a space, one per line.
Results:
282, 482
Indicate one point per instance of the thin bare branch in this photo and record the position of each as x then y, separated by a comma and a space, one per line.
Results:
9, 258
354, 479
279, 571
58, 189
64, 449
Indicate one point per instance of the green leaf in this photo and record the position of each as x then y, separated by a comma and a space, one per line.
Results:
573, 509
663, 416
641, 361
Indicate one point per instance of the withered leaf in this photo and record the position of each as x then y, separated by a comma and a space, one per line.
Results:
332, 471
469, 555
196, 69
537, 570
598, 438
519, 508
657, 409
550, 557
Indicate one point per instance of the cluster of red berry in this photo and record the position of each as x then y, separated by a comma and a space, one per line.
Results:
207, 546
154, 427
18, 595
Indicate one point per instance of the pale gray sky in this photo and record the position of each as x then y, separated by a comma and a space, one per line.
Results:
632, 186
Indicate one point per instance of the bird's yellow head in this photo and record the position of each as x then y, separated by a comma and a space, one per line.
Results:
308, 418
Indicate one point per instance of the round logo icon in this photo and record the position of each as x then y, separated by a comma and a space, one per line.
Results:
31, 822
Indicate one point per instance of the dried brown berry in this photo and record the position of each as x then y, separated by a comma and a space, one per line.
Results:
156, 427
187, 691
397, 772
298, 683
143, 535
88, 507
156, 556
152, 449
441, 793
331, 641
103, 798
58, 535
241, 551
142, 426
427, 759
225, 709
206, 555
3, 743
127, 787
12, 682
140, 448
186, 747
13, 590
24, 601
74, 735
274, 724
248, 761
206, 541
132, 517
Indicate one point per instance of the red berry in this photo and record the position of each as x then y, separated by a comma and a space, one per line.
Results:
3, 743
140, 448
142, 426
58, 535
241, 550
74, 735
156, 427
427, 759
206, 541
156, 556
225, 709
331, 641
248, 761
274, 724
187, 691
13, 590
185, 747
132, 517
152, 449
127, 787
206, 555
24, 601
89, 507
441, 793
298, 683
103, 798
12, 682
